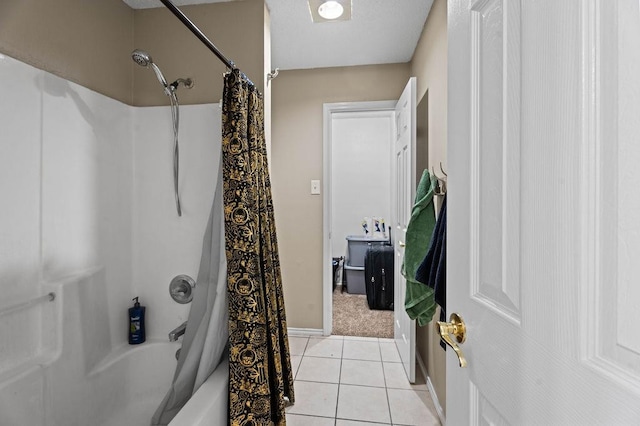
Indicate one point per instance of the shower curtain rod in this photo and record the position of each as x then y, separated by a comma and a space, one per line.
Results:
196, 31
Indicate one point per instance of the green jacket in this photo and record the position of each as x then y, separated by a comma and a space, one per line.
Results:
419, 299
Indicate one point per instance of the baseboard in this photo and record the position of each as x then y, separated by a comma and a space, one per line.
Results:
432, 390
304, 331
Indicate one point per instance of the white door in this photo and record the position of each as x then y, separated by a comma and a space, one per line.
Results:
404, 171
543, 224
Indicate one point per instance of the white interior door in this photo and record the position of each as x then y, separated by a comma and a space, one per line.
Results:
404, 171
543, 226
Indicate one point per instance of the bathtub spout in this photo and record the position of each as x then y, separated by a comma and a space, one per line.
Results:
177, 332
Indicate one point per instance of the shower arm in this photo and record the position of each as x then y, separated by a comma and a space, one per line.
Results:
186, 82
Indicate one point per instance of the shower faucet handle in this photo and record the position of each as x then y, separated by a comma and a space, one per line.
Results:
181, 288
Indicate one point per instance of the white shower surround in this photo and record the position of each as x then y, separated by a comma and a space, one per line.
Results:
87, 191
166, 245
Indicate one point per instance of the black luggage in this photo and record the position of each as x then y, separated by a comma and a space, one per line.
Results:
378, 277
335, 263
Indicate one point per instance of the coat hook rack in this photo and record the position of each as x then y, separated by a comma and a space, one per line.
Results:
442, 170
441, 184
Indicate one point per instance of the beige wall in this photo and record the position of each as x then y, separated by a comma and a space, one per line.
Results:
236, 28
266, 83
429, 64
90, 43
87, 42
298, 97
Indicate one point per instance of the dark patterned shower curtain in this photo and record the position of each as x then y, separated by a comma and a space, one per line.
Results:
259, 363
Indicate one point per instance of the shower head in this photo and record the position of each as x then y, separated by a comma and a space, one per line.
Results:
143, 59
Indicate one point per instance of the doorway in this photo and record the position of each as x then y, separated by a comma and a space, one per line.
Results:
358, 138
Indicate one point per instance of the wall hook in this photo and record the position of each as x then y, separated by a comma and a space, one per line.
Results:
442, 170
273, 74
441, 183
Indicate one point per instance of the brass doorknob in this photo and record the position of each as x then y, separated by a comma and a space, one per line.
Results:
455, 327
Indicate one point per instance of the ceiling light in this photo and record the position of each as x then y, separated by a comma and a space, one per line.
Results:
330, 10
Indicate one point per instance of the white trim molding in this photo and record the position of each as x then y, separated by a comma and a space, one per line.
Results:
432, 390
327, 274
304, 332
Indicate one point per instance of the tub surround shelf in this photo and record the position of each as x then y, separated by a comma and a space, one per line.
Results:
126, 350
26, 368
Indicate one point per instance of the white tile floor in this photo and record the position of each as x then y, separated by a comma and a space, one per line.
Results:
354, 381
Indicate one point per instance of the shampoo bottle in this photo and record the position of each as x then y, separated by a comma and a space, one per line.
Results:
136, 323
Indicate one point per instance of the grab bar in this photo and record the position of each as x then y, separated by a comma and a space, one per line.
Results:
23, 305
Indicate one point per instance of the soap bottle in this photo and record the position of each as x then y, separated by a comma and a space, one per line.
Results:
136, 323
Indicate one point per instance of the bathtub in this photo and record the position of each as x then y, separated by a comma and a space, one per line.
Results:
208, 406
75, 377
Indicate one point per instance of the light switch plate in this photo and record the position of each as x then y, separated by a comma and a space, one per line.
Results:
315, 187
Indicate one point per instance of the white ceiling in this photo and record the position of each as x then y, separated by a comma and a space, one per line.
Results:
380, 32
149, 4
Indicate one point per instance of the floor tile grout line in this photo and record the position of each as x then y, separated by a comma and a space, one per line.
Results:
345, 384
302, 356
365, 421
295, 373
386, 390
309, 415
339, 383
324, 357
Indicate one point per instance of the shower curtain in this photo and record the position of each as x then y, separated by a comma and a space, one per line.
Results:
207, 331
260, 377
240, 265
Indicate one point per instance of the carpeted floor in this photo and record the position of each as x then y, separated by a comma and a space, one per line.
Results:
352, 317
